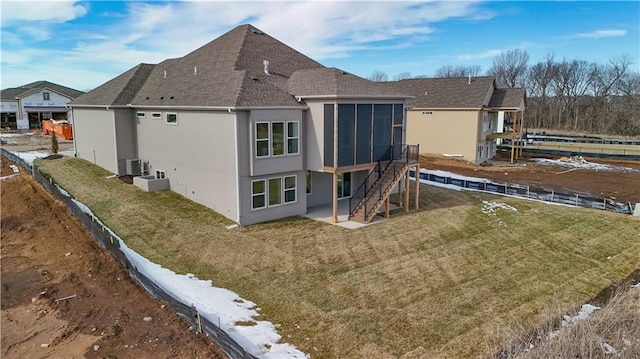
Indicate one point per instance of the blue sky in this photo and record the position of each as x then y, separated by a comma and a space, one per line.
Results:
82, 44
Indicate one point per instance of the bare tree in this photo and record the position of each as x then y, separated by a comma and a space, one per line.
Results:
402, 76
510, 68
539, 78
458, 71
378, 76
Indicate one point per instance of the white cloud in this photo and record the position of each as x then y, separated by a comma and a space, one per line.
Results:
480, 55
599, 34
151, 32
50, 11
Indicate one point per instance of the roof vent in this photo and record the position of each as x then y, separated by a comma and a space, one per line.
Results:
195, 70
258, 32
469, 83
266, 67
165, 74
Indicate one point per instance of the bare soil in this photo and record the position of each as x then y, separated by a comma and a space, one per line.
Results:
622, 185
65, 297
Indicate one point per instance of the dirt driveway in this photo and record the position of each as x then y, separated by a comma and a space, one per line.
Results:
64, 297
621, 182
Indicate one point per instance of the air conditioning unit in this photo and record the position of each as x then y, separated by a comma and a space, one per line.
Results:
134, 167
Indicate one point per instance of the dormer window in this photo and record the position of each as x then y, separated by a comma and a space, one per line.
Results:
46, 96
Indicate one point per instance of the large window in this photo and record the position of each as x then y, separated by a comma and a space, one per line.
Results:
172, 118
262, 139
293, 138
276, 139
273, 191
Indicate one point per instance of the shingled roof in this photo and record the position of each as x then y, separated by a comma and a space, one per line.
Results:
25, 90
228, 71
335, 82
507, 99
451, 92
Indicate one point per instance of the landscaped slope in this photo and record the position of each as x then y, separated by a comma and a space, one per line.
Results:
442, 282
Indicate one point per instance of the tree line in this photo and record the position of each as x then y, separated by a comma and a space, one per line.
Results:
566, 95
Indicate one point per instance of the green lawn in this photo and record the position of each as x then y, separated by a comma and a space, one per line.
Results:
442, 282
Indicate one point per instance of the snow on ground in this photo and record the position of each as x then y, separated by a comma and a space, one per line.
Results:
490, 207
30, 156
579, 162
218, 305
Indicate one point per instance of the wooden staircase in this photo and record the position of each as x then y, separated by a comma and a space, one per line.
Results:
392, 166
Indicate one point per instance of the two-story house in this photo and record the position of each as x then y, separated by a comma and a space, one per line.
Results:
24, 107
464, 117
251, 128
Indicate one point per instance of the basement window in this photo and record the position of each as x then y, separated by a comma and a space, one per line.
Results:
160, 174
172, 118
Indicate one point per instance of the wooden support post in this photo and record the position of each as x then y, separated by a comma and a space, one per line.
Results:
406, 191
417, 172
335, 197
387, 204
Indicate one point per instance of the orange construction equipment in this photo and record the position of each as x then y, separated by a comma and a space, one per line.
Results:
62, 129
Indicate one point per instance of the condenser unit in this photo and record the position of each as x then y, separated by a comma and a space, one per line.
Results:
134, 167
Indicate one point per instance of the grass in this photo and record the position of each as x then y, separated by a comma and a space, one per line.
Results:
437, 283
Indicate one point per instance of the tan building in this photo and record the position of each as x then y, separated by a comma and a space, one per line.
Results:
461, 116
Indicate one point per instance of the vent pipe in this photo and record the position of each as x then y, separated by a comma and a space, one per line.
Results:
165, 74
266, 67
195, 70
469, 83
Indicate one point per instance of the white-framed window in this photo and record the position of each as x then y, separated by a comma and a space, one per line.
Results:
258, 194
161, 174
46, 96
171, 118
156, 115
308, 182
141, 114
262, 139
480, 148
290, 189
293, 137
277, 139
275, 191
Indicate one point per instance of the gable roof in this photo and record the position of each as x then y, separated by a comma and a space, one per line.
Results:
507, 98
228, 72
25, 90
328, 82
449, 92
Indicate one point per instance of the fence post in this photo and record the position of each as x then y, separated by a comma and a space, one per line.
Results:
576, 199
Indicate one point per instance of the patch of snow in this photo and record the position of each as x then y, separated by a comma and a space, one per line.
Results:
9, 135
608, 349
218, 305
31, 156
452, 155
491, 206
584, 313
579, 162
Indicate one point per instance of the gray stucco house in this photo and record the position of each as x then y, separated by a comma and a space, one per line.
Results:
251, 128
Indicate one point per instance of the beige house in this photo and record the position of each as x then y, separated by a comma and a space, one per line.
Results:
251, 128
463, 117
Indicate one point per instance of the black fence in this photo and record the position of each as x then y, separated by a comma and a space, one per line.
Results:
572, 199
108, 241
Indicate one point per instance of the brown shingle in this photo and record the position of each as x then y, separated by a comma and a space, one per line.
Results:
452, 92
335, 82
118, 91
25, 90
507, 98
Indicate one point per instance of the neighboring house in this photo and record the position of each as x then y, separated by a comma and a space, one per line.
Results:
25, 107
460, 116
251, 128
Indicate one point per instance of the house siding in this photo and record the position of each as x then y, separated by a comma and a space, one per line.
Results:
94, 137
198, 155
445, 131
125, 134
